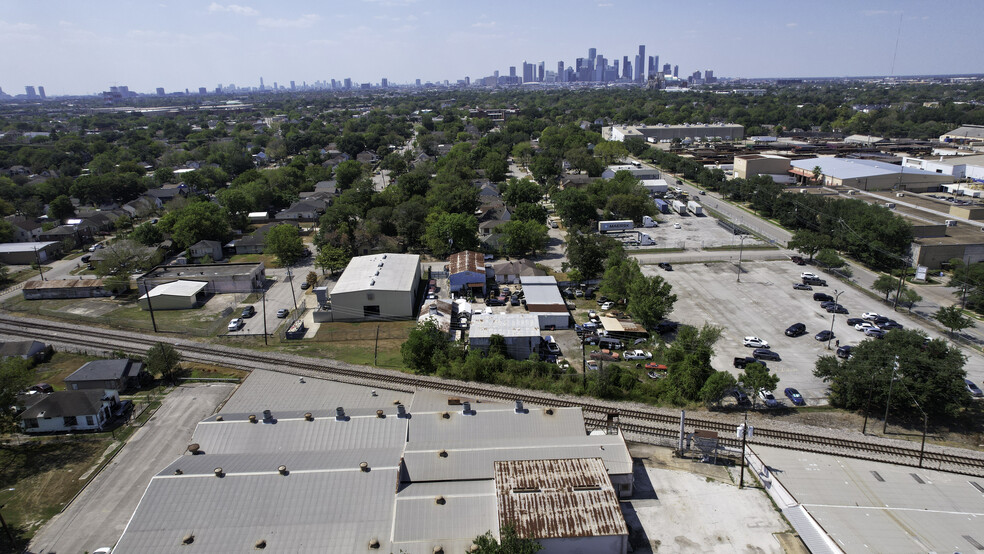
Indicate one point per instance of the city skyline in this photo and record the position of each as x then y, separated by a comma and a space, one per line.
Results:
177, 45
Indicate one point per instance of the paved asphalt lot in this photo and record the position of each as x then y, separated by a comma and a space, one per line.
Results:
764, 304
97, 517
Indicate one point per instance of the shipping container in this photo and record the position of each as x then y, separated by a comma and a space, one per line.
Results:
620, 225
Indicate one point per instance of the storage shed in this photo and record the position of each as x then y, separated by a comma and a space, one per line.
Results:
543, 299
176, 295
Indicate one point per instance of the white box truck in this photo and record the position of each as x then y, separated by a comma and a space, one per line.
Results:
648, 221
695, 208
620, 225
679, 207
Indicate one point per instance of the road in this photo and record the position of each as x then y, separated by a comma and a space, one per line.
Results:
97, 517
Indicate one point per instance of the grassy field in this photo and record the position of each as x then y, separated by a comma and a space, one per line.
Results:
61, 365
205, 371
38, 478
356, 342
268, 260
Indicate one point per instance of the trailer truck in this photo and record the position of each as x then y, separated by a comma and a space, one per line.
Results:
695, 208
620, 225
646, 240
662, 206
679, 207
648, 221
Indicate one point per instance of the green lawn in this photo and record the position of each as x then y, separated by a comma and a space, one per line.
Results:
61, 365
268, 260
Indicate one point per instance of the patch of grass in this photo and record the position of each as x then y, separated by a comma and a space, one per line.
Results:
357, 343
655, 250
60, 366
749, 247
205, 371
38, 478
268, 260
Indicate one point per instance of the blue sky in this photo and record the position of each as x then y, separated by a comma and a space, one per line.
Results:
73, 47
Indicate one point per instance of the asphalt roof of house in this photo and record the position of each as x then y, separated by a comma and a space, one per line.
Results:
66, 403
104, 370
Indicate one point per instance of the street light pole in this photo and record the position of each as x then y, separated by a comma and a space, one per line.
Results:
744, 436
741, 248
833, 316
290, 278
263, 290
895, 366
149, 305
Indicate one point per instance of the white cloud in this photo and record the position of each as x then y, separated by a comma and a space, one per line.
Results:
215, 7
605, 5
484, 25
16, 27
871, 13
142, 34
391, 3
302, 22
791, 25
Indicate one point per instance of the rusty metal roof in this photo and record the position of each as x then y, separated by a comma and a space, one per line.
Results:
557, 498
467, 260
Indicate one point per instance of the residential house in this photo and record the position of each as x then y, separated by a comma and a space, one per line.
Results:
100, 221
256, 242
64, 233
26, 229
367, 157
111, 376
308, 209
210, 248
466, 273
511, 271
165, 195
67, 411
142, 206
26, 349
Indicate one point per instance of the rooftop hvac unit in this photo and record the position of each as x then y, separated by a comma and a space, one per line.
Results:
890, 205
899, 194
951, 223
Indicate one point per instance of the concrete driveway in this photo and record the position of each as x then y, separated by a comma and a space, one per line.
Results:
97, 517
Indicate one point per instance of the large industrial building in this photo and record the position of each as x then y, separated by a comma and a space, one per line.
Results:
305, 465
666, 133
543, 299
218, 278
868, 174
378, 286
957, 167
750, 165
521, 333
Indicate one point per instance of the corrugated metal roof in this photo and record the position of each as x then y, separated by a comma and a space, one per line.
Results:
177, 288
296, 461
490, 425
269, 390
8, 247
299, 435
466, 261
324, 512
843, 168
475, 461
420, 523
64, 284
539, 292
558, 499
396, 274
507, 325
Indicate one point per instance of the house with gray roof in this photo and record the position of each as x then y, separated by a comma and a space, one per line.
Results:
68, 411
307, 209
106, 375
26, 229
26, 349
203, 248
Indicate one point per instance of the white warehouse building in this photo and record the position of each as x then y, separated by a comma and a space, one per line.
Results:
521, 333
378, 286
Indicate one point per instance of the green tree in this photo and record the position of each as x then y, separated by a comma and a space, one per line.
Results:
522, 153
716, 386
331, 259
347, 173
448, 233
197, 221
928, 373
909, 297
808, 242
163, 175
16, 375
521, 191
530, 212
817, 173
575, 207
284, 242
610, 152
61, 208
164, 359
620, 273
953, 319
424, 342
755, 378
650, 300
509, 543
588, 253
6, 231
828, 257
522, 238
689, 362
885, 284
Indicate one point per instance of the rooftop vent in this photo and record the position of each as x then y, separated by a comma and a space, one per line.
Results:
252, 418
519, 408
401, 411
466, 408
188, 539
364, 467
440, 500
446, 415
178, 472
379, 414
260, 544
218, 472
384, 256
194, 448
267, 416
340, 414
548, 411
380, 264
309, 417
373, 543
282, 470
443, 453
301, 380
372, 282
438, 549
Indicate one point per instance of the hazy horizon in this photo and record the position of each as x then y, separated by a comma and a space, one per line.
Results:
75, 48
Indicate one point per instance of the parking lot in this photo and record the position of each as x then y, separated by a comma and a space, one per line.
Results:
686, 232
764, 304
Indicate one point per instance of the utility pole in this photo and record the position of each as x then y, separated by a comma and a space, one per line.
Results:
744, 437
291, 279
741, 247
149, 305
905, 267
375, 351
38, 259
867, 405
895, 366
833, 316
263, 290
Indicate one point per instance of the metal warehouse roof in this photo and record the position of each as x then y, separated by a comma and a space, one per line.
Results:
9, 247
558, 498
177, 288
489, 425
269, 390
843, 168
64, 284
507, 325
466, 261
386, 272
321, 511
541, 290
420, 523
296, 461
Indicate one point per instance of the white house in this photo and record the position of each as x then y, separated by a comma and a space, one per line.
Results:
64, 411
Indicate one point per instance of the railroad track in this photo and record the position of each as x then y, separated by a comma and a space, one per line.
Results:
631, 420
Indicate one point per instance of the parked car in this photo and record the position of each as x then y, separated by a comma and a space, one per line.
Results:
808, 275
874, 332
592, 365
802, 286
765, 354
305, 285
122, 408
836, 309
827, 303
824, 335
638, 355
590, 339
655, 366
973, 389
665, 266
755, 342
42, 387
870, 316
822, 297
742, 361
236, 324
666, 327
768, 398
514, 300
655, 375
794, 396
795, 330
880, 320
601, 300
607, 306
494, 301
740, 397
814, 281
798, 260
852, 321
864, 325
889, 325
504, 291
844, 351
248, 312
